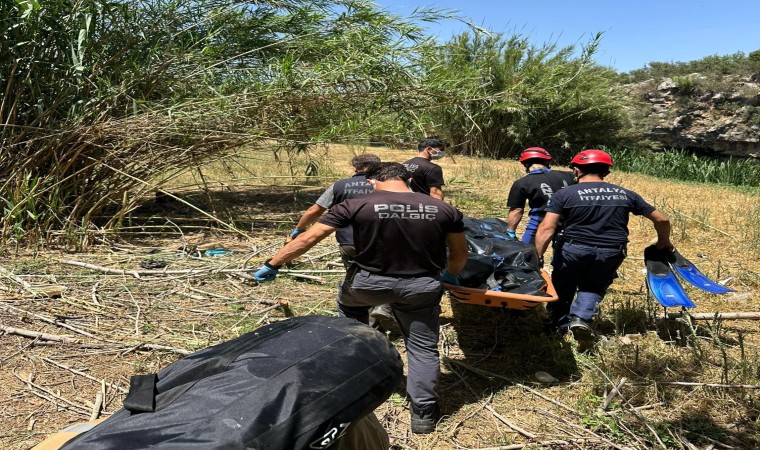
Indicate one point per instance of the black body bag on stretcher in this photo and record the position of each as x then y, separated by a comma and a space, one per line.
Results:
295, 384
496, 262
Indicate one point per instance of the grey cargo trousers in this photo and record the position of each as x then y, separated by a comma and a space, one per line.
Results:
416, 306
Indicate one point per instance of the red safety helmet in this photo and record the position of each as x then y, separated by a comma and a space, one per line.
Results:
534, 153
591, 156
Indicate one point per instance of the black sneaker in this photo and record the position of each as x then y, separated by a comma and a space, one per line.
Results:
424, 420
582, 331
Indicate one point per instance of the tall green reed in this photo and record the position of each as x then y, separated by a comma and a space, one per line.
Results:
100, 97
682, 165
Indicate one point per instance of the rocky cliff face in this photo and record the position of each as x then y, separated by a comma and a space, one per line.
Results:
719, 117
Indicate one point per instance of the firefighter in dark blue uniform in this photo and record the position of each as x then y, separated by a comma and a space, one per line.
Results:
351, 187
592, 244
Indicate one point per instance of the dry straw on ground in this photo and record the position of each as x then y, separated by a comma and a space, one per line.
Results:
68, 358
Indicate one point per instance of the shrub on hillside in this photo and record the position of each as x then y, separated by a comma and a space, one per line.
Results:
714, 65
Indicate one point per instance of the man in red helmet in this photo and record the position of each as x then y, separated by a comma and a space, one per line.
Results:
536, 188
593, 241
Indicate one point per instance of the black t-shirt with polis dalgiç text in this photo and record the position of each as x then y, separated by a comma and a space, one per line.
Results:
425, 174
398, 233
596, 212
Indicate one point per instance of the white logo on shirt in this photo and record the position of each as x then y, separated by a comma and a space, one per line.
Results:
330, 436
599, 194
546, 190
395, 211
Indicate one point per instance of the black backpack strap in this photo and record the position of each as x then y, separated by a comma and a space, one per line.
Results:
142, 393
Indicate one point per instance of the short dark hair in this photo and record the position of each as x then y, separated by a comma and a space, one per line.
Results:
364, 160
594, 169
432, 142
385, 171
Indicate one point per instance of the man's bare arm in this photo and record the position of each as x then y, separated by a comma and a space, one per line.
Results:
457, 252
310, 216
662, 227
545, 232
436, 192
514, 217
305, 241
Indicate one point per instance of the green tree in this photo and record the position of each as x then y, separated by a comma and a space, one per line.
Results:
103, 95
502, 94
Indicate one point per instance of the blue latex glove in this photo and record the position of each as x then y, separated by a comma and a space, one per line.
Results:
266, 273
294, 234
448, 278
511, 234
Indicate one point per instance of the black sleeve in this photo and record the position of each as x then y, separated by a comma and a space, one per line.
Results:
435, 177
516, 197
640, 206
338, 216
458, 224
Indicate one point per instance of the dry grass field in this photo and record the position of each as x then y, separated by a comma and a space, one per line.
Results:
682, 384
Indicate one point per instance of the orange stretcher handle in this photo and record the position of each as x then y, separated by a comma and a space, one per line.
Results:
496, 299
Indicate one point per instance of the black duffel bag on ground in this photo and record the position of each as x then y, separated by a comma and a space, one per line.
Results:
296, 384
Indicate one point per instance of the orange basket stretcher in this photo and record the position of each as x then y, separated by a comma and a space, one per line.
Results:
507, 300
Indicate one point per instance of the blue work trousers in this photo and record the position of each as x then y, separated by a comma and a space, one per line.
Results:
416, 305
529, 237
586, 270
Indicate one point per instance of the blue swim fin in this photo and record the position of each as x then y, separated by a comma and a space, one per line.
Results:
662, 282
688, 272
